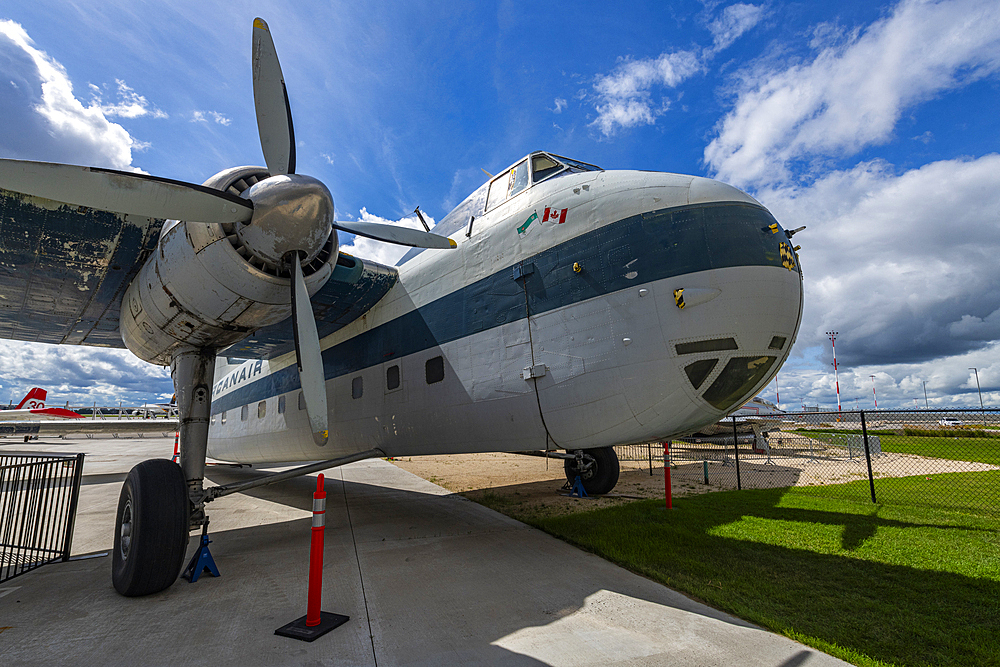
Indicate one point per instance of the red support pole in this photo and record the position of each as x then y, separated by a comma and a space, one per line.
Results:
316, 554
668, 491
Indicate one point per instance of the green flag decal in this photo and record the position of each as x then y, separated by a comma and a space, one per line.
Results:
523, 229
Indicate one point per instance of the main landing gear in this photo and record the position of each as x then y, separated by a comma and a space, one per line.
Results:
597, 468
161, 502
151, 531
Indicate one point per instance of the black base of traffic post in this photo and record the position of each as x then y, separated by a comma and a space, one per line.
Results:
298, 629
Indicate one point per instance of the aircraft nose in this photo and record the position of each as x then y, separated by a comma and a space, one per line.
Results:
707, 190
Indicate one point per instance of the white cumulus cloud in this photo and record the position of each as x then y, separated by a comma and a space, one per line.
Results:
384, 253
625, 96
903, 265
215, 116
43, 118
130, 104
853, 92
734, 21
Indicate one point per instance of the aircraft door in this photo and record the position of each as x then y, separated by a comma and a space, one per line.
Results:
499, 351
575, 344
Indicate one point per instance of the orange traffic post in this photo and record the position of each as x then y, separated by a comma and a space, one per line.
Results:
177, 449
668, 492
315, 623
316, 554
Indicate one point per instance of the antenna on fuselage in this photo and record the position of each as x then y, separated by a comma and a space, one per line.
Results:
487, 173
422, 221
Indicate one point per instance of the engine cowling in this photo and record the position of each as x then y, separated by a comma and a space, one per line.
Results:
209, 285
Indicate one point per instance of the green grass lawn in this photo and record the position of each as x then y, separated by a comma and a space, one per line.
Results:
872, 584
984, 450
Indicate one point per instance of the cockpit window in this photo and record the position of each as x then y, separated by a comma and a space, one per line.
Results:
576, 165
508, 185
542, 166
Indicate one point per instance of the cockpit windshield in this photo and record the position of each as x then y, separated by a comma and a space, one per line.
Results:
535, 168
543, 166
576, 165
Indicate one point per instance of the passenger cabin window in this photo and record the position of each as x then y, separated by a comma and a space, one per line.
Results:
281, 405
261, 409
506, 186
244, 413
357, 387
434, 370
392, 377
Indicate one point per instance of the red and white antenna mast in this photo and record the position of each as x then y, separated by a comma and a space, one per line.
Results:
873, 391
836, 375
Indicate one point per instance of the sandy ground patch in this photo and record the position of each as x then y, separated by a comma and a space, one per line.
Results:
526, 486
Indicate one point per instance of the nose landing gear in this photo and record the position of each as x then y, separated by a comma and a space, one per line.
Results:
597, 468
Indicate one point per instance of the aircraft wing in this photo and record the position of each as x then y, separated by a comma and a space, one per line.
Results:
63, 269
90, 426
38, 414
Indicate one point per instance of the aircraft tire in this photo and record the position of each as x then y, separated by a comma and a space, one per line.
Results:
602, 476
151, 528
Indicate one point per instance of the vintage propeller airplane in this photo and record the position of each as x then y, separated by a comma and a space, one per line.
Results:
560, 309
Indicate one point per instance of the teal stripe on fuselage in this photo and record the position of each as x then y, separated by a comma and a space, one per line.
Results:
648, 247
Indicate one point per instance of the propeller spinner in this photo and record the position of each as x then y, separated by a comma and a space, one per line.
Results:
285, 219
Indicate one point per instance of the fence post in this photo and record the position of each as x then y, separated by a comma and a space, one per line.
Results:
736, 448
868, 455
649, 448
74, 503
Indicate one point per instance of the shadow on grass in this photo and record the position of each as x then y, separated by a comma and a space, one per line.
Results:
888, 588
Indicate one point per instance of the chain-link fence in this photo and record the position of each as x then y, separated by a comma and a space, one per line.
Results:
945, 458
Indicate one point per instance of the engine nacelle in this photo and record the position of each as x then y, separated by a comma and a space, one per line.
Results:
204, 288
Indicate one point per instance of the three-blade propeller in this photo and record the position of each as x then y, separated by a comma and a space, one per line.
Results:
150, 196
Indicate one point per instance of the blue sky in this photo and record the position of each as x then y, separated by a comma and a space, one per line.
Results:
873, 124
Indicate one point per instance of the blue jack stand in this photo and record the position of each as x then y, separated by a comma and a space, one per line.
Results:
202, 560
578, 489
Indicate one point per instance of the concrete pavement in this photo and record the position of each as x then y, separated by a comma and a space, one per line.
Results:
427, 577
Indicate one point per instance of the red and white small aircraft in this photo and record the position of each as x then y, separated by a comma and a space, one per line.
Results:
32, 408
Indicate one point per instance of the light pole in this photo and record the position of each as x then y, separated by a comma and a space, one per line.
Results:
873, 391
836, 375
981, 406
925, 394
777, 398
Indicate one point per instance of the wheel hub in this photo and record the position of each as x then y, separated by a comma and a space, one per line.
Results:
126, 530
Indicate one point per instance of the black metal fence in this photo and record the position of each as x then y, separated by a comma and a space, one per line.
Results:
39, 494
943, 458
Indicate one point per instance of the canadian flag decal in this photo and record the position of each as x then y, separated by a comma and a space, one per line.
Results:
556, 215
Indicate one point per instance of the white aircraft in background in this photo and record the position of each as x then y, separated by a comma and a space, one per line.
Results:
560, 308
32, 419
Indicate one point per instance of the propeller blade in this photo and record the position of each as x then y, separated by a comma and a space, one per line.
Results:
308, 357
274, 115
123, 192
397, 235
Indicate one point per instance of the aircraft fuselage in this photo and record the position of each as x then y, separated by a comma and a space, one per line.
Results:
554, 324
